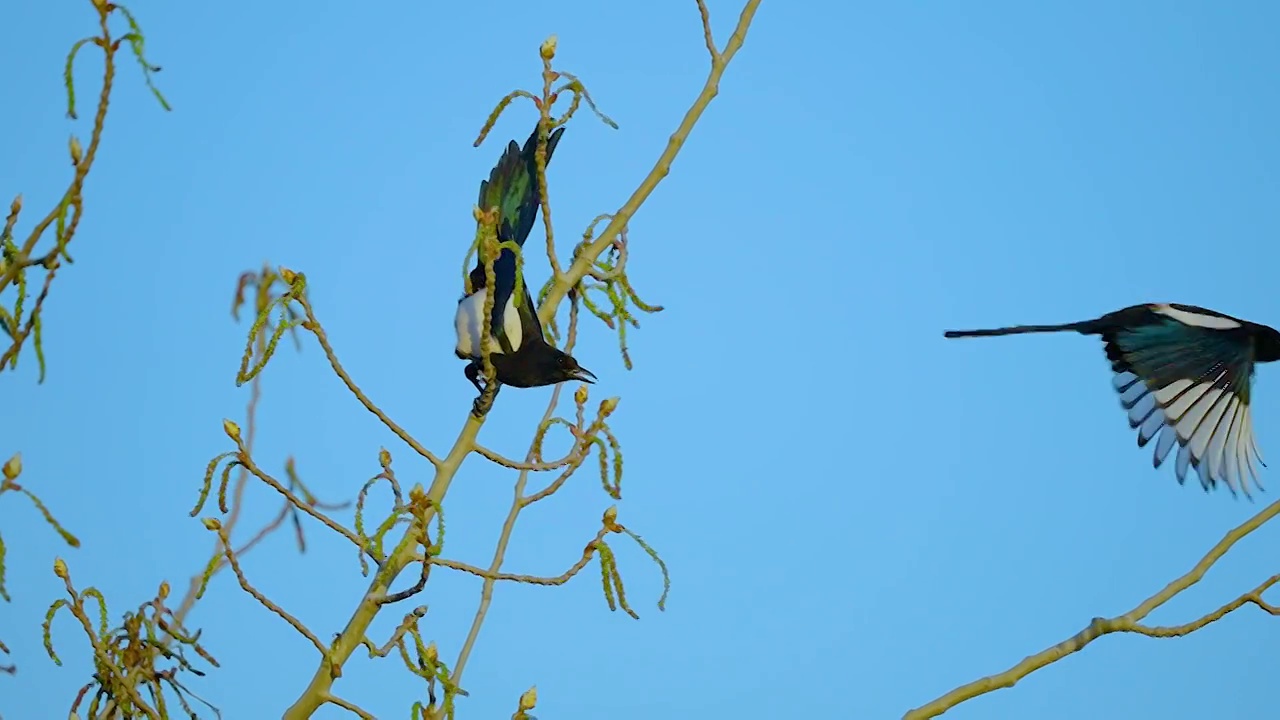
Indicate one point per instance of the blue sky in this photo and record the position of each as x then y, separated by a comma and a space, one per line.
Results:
857, 514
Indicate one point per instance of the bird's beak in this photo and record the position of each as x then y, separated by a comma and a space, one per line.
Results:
584, 375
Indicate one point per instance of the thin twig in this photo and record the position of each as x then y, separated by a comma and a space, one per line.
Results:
32, 319
251, 431
706, 31
306, 507
506, 462
410, 620
314, 327
588, 552
1253, 596
350, 707
263, 599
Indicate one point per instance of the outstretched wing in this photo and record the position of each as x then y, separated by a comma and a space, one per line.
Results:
1186, 376
513, 188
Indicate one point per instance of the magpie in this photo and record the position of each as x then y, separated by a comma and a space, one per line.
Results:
1185, 372
519, 350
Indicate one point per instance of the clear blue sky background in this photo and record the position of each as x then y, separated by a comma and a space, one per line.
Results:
858, 515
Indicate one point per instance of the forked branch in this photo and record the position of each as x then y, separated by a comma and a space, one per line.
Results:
1129, 622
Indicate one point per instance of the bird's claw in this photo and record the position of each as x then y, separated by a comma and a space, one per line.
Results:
484, 402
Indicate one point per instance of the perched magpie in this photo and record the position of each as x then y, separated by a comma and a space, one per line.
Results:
1184, 371
519, 350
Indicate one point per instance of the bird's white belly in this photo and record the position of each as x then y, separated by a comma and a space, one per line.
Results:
468, 324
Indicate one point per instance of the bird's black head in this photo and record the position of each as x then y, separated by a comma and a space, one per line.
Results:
564, 367
538, 364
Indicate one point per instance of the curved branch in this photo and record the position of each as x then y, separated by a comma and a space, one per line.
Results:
588, 552
313, 325
719, 62
499, 553
1128, 622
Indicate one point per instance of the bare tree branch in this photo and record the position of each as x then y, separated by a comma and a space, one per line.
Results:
1128, 622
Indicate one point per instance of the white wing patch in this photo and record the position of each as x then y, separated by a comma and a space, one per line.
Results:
1194, 319
467, 321
1211, 425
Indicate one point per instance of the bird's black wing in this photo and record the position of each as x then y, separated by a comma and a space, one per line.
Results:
530, 325
1185, 374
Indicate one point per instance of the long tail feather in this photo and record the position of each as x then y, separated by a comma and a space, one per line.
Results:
513, 187
1080, 327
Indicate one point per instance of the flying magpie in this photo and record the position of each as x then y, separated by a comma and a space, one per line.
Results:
518, 348
1184, 371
